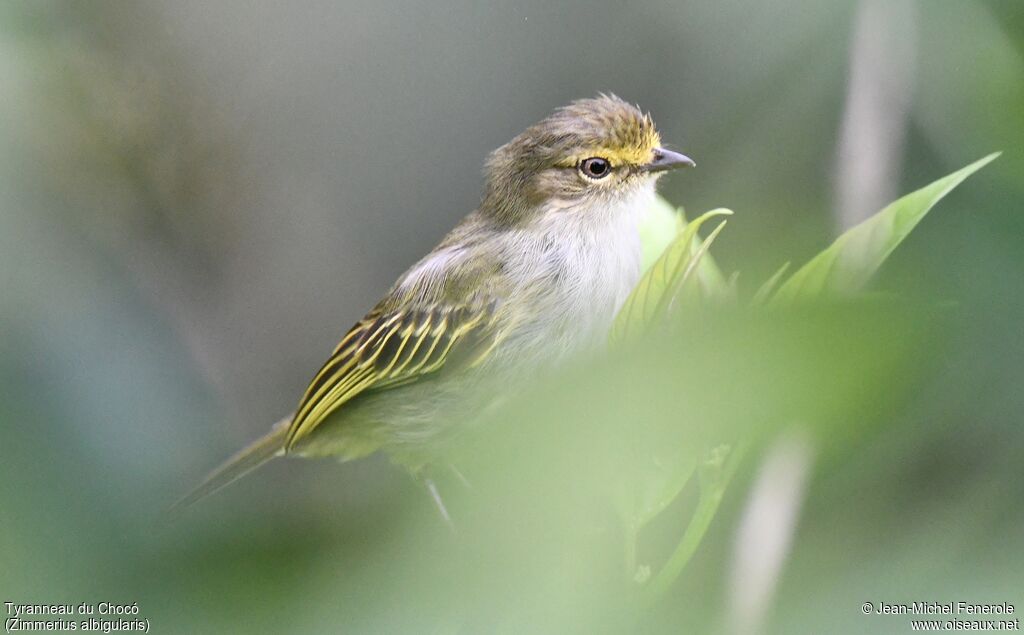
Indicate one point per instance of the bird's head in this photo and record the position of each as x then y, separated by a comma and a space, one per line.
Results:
591, 152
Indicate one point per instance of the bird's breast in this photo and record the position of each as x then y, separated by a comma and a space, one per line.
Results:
576, 271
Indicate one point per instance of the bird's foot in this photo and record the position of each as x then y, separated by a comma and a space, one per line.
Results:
435, 494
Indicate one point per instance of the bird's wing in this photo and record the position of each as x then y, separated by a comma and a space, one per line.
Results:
386, 349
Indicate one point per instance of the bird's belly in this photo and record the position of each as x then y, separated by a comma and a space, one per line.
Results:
577, 293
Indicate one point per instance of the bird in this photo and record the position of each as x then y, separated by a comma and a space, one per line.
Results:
531, 278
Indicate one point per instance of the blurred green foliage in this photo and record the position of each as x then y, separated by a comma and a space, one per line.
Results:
839, 271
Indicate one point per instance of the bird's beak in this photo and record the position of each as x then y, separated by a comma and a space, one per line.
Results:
668, 160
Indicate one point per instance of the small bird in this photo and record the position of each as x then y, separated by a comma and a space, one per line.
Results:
534, 275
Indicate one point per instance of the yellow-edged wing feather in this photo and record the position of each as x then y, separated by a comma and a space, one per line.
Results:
386, 349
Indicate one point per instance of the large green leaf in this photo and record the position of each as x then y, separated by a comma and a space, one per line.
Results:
847, 265
684, 274
659, 226
772, 283
708, 274
665, 280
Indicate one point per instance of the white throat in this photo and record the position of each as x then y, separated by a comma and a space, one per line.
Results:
598, 258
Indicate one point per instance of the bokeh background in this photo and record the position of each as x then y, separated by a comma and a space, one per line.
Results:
197, 199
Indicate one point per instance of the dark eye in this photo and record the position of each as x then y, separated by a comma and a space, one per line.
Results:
595, 167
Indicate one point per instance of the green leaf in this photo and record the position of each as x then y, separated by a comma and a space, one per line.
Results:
849, 262
765, 291
689, 287
660, 225
709, 275
651, 296
659, 228
714, 474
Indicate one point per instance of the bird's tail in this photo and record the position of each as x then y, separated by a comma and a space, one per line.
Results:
246, 460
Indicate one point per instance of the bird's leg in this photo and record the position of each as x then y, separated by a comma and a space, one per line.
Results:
436, 495
459, 475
